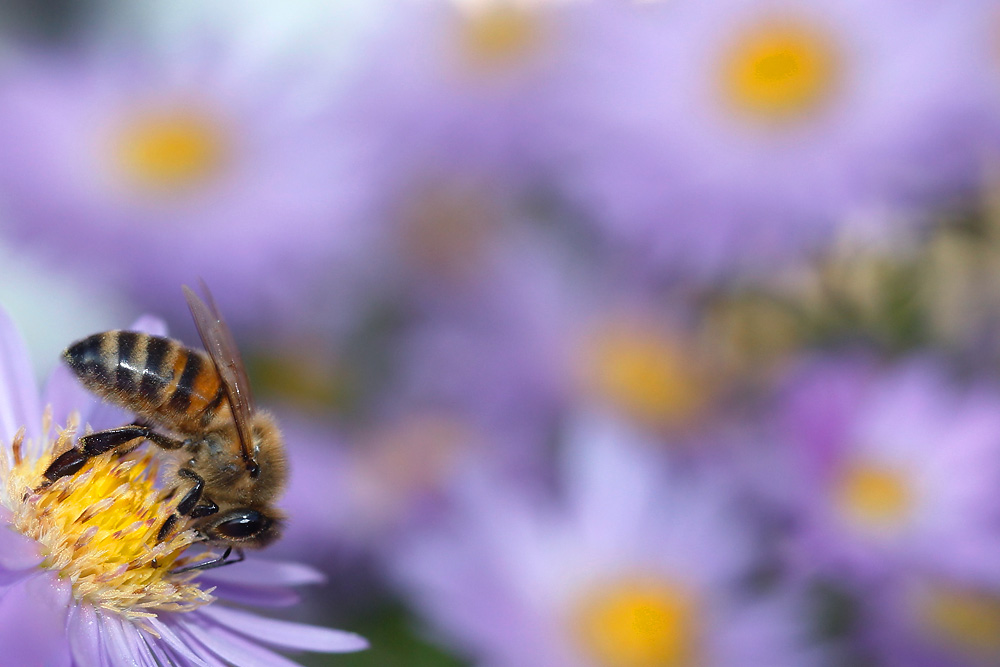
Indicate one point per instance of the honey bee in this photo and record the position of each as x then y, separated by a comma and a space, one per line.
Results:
229, 459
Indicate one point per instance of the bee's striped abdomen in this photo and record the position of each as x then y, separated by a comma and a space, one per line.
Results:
155, 377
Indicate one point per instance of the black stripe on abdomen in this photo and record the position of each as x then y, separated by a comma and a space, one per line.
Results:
153, 374
128, 368
181, 399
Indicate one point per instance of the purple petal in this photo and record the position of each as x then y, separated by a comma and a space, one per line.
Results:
17, 552
33, 616
272, 572
125, 644
235, 649
19, 405
84, 637
149, 324
284, 633
170, 639
254, 596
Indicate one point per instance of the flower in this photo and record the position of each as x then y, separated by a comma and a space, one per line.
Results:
890, 470
207, 158
708, 139
635, 565
85, 578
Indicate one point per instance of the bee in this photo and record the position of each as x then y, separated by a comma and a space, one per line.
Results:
229, 458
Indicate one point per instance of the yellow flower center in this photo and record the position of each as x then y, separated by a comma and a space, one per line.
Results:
170, 150
648, 375
99, 529
874, 497
500, 36
779, 69
639, 623
965, 619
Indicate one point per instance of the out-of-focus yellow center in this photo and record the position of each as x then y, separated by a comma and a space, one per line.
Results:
779, 69
99, 529
967, 620
500, 36
648, 375
171, 149
639, 623
874, 497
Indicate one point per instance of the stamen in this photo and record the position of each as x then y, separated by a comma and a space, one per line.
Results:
98, 528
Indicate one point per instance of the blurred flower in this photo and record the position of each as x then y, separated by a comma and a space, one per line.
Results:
191, 156
86, 578
713, 138
540, 334
462, 76
890, 470
634, 568
933, 621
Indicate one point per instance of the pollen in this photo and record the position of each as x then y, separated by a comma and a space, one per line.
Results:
645, 622
99, 529
778, 70
170, 150
874, 497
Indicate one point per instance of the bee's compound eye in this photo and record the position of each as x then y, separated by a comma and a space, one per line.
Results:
243, 524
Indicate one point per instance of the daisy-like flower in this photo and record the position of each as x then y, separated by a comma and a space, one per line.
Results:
632, 568
891, 469
713, 138
85, 579
195, 150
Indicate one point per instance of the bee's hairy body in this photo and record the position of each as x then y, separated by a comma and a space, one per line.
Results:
179, 389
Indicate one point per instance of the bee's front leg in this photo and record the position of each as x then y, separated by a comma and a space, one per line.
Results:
121, 440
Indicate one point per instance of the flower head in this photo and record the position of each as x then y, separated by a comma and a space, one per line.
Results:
196, 151
714, 138
85, 575
898, 471
633, 567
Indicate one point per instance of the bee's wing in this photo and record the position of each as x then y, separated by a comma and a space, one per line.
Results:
221, 346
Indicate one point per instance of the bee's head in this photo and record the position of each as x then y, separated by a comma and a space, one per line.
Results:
243, 526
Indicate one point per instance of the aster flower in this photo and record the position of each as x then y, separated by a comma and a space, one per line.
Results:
631, 567
84, 578
711, 138
195, 150
889, 470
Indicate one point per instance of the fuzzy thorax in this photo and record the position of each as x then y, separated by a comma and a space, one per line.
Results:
99, 529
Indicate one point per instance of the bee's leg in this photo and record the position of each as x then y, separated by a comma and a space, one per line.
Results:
188, 506
122, 439
213, 563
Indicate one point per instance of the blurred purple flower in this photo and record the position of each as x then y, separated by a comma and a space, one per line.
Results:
84, 583
636, 566
712, 138
152, 166
890, 470
539, 335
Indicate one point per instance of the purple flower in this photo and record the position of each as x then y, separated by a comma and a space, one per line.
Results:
84, 578
635, 565
191, 157
889, 470
712, 138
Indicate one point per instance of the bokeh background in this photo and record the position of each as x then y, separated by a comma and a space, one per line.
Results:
602, 333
